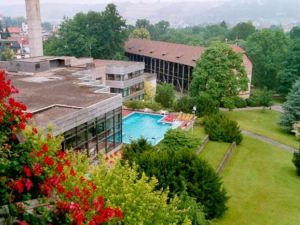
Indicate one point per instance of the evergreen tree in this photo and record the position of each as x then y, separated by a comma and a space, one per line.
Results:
291, 108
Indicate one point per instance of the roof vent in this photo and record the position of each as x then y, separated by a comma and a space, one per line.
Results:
164, 53
179, 56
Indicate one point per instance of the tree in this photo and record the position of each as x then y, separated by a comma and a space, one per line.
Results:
267, 49
184, 104
296, 161
94, 34
296, 130
291, 69
291, 108
205, 104
165, 95
241, 31
138, 197
6, 54
142, 23
182, 170
150, 90
220, 128
141, 33
219, 72
295, 32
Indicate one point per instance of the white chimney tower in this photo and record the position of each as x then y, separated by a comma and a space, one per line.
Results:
34, 27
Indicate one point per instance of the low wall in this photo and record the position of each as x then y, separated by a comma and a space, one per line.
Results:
204, 143
226, 158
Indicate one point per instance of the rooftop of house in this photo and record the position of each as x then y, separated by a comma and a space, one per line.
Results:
56, 93
117, 63
172, 52
14, 30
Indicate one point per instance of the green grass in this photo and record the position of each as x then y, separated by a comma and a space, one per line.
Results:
263, 187
214, 152
264, 123
197, 132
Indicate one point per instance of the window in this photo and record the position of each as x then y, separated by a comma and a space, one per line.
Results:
37, 66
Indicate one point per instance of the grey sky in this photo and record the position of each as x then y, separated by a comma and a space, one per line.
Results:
100, 1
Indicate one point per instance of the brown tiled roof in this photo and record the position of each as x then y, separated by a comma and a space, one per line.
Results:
14, 30
177, 53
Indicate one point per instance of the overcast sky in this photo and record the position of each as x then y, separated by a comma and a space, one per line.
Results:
99, 1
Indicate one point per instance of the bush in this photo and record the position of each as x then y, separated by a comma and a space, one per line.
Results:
153, 105
165, 95
184, 104
135, 104
296, 161
138, 104
179, 169
240, 102
206, 105
177, 140
183, 170
220, 128
260, 98
228, 103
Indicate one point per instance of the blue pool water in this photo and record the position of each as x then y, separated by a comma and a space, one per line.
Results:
145, 125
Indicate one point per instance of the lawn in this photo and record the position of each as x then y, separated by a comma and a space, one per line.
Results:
214, 152
197, 132
264, 123
263, 187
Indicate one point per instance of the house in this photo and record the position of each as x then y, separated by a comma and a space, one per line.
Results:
124, 77
174, 63
83, 112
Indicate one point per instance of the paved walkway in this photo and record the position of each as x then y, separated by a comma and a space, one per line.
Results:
277, 108
269, 140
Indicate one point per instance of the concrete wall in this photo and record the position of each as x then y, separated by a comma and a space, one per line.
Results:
77, 118
125, 83
119, 69
34, 27
28, 67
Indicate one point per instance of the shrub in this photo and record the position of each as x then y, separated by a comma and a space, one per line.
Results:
178, 168
153, 105
228, 103
206, 105
220, 128
296, 161
184, 104
135, 104
240, 102
259, 97
183, 170
177, 140
165, 95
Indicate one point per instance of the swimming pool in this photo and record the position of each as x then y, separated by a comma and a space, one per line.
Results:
137, 125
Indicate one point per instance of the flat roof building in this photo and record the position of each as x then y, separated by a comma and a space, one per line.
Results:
124, 77
88, 116
174, 63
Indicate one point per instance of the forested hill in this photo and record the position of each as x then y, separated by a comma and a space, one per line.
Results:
261, 12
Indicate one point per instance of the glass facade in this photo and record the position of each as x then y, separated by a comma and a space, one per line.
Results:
101, 134
128, 91
123, 77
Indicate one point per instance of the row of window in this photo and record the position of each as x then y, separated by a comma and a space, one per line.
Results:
101, 134
128, 91
123, 77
